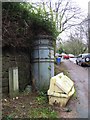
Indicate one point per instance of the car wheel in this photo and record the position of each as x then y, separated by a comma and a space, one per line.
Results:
87, 59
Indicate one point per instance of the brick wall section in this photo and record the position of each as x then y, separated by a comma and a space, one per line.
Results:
15, 59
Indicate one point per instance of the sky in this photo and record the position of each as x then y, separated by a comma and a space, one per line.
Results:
83, 4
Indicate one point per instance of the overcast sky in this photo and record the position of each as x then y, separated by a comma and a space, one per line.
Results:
82, 3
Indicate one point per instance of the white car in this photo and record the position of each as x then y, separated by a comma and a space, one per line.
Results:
83, 59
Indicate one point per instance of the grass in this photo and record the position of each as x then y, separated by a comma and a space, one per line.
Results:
74, 95
42, 113
43, 110
35, 106
41, 98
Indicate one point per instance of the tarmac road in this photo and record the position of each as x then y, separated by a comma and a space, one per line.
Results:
80, 76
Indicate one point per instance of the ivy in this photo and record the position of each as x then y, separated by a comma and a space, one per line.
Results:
26, 15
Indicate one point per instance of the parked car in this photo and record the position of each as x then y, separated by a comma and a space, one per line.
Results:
83, 59
71, 55
66, 56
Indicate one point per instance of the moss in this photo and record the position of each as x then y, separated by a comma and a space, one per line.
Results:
75, 94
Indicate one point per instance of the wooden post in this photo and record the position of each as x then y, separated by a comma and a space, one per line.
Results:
13, 81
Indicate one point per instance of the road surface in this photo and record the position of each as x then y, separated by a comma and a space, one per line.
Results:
80, 76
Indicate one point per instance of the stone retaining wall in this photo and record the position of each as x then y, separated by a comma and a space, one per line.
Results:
15, 59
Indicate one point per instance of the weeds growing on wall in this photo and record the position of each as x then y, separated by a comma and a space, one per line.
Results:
25, 21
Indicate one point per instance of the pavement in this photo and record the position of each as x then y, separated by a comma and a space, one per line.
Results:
73, 60
80, 77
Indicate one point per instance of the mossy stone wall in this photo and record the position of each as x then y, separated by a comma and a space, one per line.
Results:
15, 59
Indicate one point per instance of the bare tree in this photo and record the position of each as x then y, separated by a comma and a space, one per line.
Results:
82, 30
64, 12
66, 15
